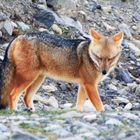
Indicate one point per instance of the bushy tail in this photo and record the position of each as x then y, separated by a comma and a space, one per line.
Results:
6, 79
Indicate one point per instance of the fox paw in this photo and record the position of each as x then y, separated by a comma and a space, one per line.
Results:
100, 109
79, 109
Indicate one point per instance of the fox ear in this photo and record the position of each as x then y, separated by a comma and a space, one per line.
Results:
94, 34
118, 37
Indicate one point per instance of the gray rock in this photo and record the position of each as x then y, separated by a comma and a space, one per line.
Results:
18, 117
112, 114
107, 107
70, 22
62, 132
49, 88
82, 136
88, 106
23, 26
124, 44
82, 15
1, 25
113, 87
123, 75
136, 106
8, 27
52, 127
124, 28
131, 136
107, 9
3, 16
3, 128
130, 116
119, 100
90, 117
18, 135
14, 24
62, 4
113, 121
1, 58
4, 137
43, 2
81, 127
67, 105
122, 135
128, 106
71, 114
5, 45
137, 91
53, 102
134, 27
96, 6
136, 17
123, 91
43, 15
108, 27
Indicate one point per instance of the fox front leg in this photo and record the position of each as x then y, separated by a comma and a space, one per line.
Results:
81, 97
90, 85
93, 95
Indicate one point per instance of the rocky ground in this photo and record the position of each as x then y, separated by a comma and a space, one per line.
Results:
55, 117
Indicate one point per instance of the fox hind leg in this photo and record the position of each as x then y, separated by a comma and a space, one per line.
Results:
15, 94
31, 90
13, 98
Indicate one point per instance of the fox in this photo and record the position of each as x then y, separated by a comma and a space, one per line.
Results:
32, 57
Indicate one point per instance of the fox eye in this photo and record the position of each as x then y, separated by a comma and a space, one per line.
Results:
110, 59
100, 58
97, 57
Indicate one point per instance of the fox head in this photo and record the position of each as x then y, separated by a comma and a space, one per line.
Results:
105, 51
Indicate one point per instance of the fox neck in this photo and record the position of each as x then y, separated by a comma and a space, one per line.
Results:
87, 60
94, 64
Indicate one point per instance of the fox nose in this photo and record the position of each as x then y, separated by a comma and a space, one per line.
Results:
104, 72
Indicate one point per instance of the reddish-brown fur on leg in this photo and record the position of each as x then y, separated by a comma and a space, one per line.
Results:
90, 86
93, 95
31, 90
81, 98
13, 99
14, 95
